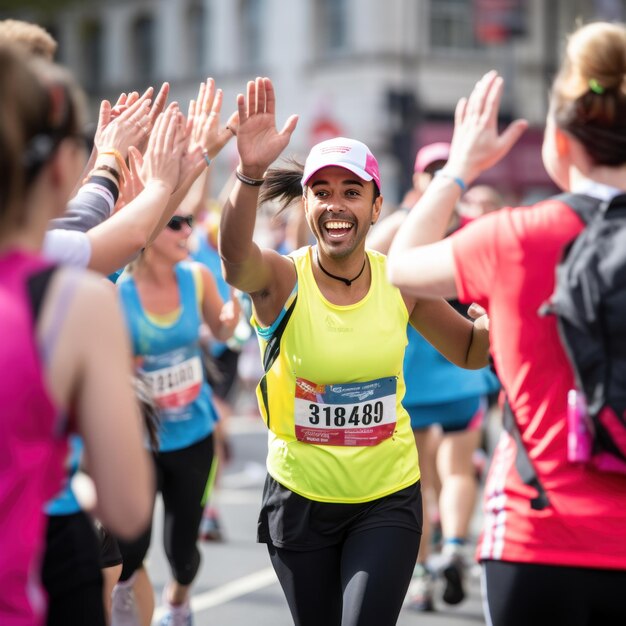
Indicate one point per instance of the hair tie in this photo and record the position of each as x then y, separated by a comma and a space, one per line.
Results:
595, 86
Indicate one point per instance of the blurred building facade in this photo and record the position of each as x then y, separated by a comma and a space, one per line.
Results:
386, 72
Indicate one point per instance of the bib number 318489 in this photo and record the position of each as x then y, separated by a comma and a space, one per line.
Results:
353, 414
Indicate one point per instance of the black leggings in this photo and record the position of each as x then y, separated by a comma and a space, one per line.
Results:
519, 594
71, 571
362, 581
181, 478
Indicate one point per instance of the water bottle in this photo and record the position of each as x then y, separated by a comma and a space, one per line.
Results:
579, 443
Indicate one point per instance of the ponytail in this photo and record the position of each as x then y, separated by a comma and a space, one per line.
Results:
283, 184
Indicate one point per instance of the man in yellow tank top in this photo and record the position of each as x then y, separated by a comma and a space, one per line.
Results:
341, 512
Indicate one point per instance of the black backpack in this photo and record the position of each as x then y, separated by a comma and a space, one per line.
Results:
589, 302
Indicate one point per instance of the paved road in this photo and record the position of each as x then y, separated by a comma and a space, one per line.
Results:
236, 585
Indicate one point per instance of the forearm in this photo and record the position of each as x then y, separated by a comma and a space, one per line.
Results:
478, 350
428, 221
240, 255
88, 167
174, 201
118, 239
383, 233
225, 331
93, 204
196, 194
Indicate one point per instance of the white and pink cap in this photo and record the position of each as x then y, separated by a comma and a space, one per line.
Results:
350, 154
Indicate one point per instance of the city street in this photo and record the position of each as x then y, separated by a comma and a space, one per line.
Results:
236, 584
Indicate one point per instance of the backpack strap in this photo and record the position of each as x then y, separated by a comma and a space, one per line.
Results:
523, 464
586, 207
272, 350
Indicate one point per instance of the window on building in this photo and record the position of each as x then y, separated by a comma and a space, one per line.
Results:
332, 28
452, 24
251, 20
474, 24
197, 39
143, 47
92, 54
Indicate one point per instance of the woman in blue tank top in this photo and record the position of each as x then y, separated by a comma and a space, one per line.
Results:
166, 299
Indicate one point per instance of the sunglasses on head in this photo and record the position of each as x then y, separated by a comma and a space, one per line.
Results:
176, 223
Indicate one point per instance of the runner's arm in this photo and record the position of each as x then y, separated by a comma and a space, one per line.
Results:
462, 342
221, 317
266, 275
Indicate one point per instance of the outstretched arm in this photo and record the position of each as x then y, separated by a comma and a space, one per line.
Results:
221, 317
462, 342
266, 275
419, 263
118, 239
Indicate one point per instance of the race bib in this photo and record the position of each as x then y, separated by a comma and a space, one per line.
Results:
353, 414
176, 385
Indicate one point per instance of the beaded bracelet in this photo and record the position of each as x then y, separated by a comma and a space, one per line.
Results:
246, 180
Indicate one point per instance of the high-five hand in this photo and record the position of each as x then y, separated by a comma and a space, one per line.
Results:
258, 140
476, 143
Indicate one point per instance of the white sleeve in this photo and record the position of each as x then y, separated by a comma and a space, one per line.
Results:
67, 247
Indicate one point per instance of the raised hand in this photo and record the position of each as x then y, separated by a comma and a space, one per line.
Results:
476, 143
129, 127
158, 105
130, 121
161, 161
133, 183
205, 136
258, 140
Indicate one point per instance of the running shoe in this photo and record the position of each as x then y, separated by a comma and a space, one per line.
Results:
123, 609
179, 615
420, 594
210, 527
453, 571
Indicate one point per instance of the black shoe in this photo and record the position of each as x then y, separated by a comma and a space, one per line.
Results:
453, 574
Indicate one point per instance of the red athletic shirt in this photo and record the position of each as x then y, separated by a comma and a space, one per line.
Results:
506, 262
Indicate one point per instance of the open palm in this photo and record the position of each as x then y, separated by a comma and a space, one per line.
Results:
258, 140
477, 143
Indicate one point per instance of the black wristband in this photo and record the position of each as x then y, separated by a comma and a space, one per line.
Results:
107, 183
246, 180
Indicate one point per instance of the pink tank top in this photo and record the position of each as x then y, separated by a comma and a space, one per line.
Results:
33, 445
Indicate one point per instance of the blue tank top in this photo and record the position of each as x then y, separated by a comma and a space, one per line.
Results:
431, 379
204, 253
171, 363
65, 503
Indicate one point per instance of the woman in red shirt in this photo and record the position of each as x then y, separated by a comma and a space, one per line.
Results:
565, 562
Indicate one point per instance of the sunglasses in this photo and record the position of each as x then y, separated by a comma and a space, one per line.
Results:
176, 223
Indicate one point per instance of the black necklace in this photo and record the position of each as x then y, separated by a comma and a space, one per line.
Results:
348, 281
